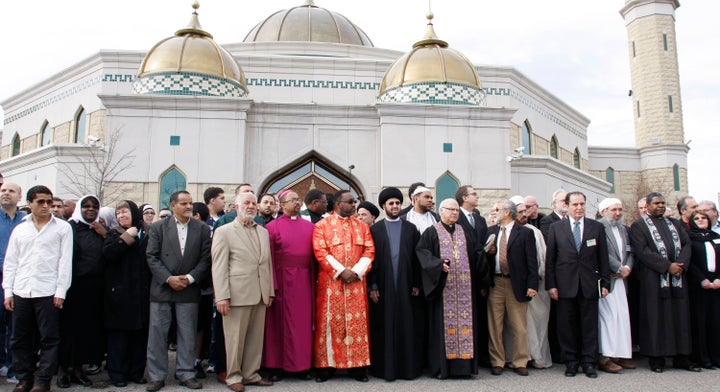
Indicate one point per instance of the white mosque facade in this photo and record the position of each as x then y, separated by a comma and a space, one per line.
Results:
320, 107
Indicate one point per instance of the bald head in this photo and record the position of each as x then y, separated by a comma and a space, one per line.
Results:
10, 195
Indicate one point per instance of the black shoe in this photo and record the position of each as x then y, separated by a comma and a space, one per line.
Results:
303, 375
361, 378
689, 367
81, 379
63, 381
139, 380
657, 368
571, 370
708, 366
199, 371
275, 377
590, 371
496, 370
321, 378
120, 384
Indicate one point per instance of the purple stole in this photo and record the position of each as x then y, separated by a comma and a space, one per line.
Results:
457, 295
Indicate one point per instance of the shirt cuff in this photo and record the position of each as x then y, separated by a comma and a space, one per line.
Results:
190, 278
339, 268
361, 267
60, 293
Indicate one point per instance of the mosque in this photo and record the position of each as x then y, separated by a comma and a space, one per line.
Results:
307, 101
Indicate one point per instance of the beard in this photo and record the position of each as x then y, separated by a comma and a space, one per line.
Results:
246, 217
614, 222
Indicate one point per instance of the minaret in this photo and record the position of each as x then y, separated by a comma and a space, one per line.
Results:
655, 93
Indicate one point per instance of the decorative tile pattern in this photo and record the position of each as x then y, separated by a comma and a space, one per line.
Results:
432, 92
188, 83
334, 84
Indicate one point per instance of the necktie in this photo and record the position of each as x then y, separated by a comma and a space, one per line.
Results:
504, 268
576, 236
472, 220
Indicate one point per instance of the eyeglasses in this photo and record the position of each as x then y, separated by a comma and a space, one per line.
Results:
163, 216
351, 201
294, 200
451, 209
699, 218
149, 213
496, 209
393, 203
41, 202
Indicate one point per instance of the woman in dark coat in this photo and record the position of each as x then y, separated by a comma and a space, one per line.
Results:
81, 318
704, 281
127, 291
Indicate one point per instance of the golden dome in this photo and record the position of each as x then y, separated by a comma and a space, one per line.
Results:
192, 51
308, 23
431, 62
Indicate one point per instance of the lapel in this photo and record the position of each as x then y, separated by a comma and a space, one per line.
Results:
514, 233
192, 237
612, 244
171, 236
567, 229
241, 235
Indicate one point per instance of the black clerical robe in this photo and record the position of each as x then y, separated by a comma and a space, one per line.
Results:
397, 321
664, 318
433, 281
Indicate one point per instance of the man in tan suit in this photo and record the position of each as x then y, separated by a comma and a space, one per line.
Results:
243, 282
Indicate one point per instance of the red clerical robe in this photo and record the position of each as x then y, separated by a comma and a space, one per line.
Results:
341, 312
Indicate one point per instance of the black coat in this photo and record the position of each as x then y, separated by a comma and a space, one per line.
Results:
127, 281
545, 223
397, 321
573, 272
522, 261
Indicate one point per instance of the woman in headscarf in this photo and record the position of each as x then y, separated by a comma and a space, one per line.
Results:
148, 214
81, 319
127, 296
704, 290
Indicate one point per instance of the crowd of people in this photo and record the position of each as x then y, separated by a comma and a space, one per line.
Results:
263, 288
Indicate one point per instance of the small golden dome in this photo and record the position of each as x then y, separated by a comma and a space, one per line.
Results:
192, 50
308, 23
431, 61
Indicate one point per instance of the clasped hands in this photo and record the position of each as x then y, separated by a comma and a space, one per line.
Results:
349, 276
178, 282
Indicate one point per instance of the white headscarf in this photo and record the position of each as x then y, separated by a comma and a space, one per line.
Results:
605, 203
109, 216
77, 213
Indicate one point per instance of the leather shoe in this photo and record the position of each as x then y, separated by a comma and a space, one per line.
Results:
221, 377
361, 378
139, 380
41, 388
625, 363
571, 370
321, 378
81, 379
237, 387
23, 386
63, 381
120, 384
154, 386
275, 377
610, 367
590, 371
496, 370
689, 367
263, 382
191, 383
521, 371
302, 376
657, 368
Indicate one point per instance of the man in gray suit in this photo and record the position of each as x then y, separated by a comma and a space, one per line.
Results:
614, 331
178, 254
243, 281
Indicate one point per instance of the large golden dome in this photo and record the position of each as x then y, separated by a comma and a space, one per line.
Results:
308, 23
191, 63
431, 73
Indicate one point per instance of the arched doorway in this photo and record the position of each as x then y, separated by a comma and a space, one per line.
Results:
311, 173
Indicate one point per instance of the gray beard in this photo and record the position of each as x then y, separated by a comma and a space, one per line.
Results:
614, 222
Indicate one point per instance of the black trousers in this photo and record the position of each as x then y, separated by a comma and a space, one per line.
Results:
126, 354
577, 330
33, 318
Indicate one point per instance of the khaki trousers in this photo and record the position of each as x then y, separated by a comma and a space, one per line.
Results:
244, 329
502, 306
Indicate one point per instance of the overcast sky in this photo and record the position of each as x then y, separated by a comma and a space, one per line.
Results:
576, 49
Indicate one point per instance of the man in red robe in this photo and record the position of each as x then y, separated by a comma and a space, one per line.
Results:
344, 249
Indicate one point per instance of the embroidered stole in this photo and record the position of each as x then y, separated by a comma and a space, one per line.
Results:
457, 295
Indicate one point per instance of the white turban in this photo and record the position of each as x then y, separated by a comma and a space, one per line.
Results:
605, 203
420, 190
517, 200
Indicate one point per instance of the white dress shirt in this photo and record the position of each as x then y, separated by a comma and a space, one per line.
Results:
39, 263
182, 230
508, 228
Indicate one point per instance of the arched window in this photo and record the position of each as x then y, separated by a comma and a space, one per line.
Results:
45, 134
676, 177
312, 172
171, 181
445, 188
526, 136
80, 126
576, 158
554, 147
610, 177
15, 145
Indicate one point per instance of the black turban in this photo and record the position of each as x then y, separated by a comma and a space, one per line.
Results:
370, 207
390, 193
